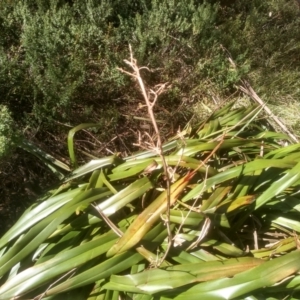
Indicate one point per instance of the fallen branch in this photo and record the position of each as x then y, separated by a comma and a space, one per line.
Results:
248, 90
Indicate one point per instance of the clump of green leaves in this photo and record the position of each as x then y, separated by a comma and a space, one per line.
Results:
105, 224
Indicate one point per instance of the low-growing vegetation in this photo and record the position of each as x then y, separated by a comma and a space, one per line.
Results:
205, 203
200, 216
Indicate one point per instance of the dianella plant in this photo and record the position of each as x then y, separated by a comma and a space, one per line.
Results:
213, 213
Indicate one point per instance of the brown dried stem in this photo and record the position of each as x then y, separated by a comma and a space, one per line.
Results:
248, 90
158, 148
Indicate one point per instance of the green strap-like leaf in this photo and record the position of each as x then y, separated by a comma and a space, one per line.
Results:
158, 280
147, 218
264, 275
65, 261
287, 180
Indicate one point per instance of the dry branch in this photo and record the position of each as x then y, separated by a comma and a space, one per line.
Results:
248, 90
150, 98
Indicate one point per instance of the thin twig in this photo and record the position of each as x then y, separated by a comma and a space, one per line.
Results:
106, 219
209, 156
203, 233
56, 281
192, 207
